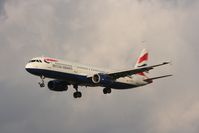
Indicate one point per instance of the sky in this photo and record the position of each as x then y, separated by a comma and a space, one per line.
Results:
108, 34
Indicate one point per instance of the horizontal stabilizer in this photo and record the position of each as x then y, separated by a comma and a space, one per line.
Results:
151, 79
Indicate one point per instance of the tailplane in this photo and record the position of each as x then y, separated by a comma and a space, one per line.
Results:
150, 80
142, 62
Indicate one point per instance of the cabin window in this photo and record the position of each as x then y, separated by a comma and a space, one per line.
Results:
35, 61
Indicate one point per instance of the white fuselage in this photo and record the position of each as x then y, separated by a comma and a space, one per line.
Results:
79, 74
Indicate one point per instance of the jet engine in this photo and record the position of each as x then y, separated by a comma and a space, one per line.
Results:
56, 85
102, 79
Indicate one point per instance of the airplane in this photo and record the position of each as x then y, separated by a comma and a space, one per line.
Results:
65, 73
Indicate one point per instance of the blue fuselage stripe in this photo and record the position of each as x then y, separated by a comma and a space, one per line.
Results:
76, 79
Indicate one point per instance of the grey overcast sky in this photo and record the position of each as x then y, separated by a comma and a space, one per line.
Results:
104, 33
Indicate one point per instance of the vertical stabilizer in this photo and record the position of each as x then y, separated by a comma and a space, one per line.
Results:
142, 60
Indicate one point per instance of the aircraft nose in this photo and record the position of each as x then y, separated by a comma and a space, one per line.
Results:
28, 67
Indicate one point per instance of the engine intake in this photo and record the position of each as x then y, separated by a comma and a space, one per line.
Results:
96, 78
102, 79
55, 85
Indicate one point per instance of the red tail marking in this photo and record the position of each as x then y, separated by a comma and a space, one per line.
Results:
143, 58
142, 74
51, 60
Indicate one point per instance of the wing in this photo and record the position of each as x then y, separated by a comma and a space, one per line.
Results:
116, 75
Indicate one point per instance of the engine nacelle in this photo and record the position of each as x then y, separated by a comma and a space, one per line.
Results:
56, 85
102, 79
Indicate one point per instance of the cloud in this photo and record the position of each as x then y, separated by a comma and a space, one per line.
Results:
2, 10
108, 34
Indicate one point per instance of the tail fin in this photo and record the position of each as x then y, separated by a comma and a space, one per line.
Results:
142, 60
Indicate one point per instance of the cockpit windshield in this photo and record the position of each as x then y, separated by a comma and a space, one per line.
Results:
35, 61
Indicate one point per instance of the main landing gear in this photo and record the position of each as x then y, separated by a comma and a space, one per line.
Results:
42, 81
107, 90
77, 94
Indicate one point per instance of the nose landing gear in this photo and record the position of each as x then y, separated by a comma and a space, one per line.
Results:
42, 84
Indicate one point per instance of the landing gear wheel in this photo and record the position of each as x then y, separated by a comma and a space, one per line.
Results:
76, 94
107, 90
104, 91
79, 94
41, 84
